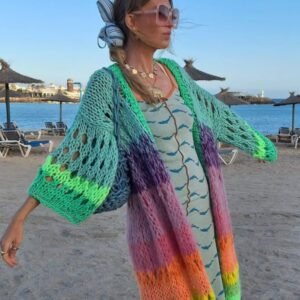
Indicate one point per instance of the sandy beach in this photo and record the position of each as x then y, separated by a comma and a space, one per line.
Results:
61, 261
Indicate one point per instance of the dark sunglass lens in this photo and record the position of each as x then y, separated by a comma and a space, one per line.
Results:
163, 13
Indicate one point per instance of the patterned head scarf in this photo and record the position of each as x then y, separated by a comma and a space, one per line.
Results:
111, 34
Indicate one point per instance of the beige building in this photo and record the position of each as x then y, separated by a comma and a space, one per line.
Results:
43, 91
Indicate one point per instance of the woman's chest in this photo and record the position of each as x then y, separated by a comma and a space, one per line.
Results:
169, 119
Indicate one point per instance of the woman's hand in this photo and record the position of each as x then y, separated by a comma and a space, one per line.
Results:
11, 241
13, 236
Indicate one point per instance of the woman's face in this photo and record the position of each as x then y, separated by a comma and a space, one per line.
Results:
154, 22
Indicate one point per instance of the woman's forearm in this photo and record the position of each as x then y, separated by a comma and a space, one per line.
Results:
29, 205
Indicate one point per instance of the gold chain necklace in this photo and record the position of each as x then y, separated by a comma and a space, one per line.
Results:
156, 92
143, 74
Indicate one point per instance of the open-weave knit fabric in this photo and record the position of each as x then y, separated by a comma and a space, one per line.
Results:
77, 177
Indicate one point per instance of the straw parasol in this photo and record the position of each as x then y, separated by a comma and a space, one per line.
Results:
197, 74
230, 98
7, 76
61, 98
291, 100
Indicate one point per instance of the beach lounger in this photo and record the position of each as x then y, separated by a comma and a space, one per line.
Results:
227, 155
12, 125
296, 137
50, 128
4, 147
61, 128
32, 134
10, 139
284, 134
296, 142
35, 134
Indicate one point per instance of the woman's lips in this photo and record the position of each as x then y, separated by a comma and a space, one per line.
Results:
167, 34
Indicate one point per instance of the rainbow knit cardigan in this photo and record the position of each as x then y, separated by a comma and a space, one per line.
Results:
78, 176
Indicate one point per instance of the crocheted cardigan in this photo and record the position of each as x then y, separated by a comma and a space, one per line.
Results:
78, 176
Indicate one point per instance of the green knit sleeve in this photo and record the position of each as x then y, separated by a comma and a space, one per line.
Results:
232, 129
77, 177
227, 126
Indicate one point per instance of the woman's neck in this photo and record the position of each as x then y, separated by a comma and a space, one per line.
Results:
139, 56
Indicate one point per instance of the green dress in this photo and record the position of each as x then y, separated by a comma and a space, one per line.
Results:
171, 124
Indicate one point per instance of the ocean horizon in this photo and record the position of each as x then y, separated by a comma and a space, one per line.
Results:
264, 117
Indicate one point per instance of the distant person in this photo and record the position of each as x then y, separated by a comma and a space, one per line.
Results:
146, 134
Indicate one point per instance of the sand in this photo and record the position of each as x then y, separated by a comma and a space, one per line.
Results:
62, 261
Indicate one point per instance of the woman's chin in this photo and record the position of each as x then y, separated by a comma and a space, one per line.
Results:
163, 46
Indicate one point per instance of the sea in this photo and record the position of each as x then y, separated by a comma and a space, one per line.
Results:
265, 118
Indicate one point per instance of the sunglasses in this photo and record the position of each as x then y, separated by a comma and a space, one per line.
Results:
163, 14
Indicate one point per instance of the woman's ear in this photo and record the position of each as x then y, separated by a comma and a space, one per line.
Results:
130, 22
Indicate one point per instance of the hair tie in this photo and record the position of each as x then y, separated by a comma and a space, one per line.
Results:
111, 34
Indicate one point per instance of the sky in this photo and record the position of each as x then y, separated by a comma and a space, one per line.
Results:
254, 44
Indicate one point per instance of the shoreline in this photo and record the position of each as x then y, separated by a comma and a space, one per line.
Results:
43, 100
32, 100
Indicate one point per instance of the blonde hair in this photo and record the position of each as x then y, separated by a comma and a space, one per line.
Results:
118, 55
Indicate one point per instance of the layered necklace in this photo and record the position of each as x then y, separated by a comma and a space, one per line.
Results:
156, 92
143, 74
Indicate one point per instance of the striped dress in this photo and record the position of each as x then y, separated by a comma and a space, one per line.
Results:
171, 124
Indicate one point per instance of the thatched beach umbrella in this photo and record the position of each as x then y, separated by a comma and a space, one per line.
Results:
61, 98
7, 76
230, 98
291, 100
197, 74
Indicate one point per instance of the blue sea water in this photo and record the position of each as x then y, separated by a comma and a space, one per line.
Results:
265, 118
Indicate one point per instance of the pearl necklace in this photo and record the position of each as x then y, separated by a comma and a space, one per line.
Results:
143, 74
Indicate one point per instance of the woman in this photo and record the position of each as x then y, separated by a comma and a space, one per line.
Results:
146, 133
